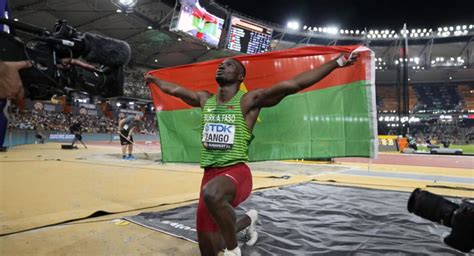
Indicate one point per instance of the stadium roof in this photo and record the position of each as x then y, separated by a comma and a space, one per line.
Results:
359, 14
146, 29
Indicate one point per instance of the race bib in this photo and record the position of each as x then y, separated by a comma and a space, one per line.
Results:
218, 136
125, 127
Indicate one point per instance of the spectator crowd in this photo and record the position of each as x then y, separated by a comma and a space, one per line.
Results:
58, 121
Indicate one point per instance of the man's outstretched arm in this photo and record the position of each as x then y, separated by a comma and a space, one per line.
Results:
193, 98
273, 95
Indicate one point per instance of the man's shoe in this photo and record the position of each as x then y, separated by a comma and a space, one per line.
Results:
3, 149
131, 158
234, 252
251, 231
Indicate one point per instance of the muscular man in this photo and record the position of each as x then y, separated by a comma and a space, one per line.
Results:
227, 180
126, 129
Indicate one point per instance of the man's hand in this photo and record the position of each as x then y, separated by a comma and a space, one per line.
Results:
67, 63
344, 59
151, 79
10, 81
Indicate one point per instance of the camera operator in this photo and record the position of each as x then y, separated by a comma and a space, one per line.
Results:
10, 87
10, 82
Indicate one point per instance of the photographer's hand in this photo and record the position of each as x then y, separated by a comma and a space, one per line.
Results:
66, 63
10, 81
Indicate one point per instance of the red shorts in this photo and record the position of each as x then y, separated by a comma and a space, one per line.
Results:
240, 175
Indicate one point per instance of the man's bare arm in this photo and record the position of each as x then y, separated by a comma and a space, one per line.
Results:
193, 98
121, 123
273, 95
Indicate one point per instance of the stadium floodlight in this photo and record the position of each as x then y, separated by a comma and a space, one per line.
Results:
156, 60
451, 28
293, 25
376, 32
118, 11
130, 3
458, 27
352, 31
357, 32
305, 27
445, 29
125, 5
332, 30
149, 27
424, 30
464, 27
341, 31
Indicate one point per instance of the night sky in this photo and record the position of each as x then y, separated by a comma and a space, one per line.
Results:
359, 14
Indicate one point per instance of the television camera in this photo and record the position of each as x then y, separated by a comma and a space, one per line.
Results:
458, 217
48, 50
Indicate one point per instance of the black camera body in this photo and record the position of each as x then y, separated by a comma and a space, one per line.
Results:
46, 51
438, 209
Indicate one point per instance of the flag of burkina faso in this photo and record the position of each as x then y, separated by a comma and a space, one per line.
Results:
335, 117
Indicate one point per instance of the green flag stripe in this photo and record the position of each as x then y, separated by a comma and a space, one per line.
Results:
330, 122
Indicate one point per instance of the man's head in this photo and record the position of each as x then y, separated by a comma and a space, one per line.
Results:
230, 71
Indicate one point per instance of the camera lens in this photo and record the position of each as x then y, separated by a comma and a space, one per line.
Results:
432, 207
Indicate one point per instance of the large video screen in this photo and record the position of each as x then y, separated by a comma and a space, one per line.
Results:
247, 37
196, 21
